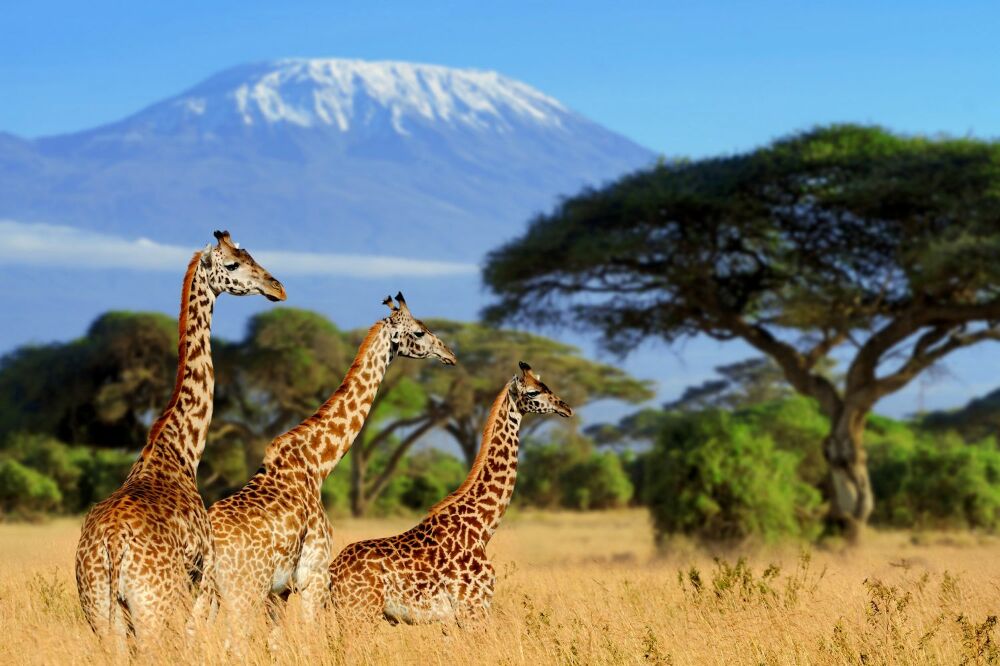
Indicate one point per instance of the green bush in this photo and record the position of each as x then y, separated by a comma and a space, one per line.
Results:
82, 475
714, 478
25, 492
428, 477
935, 481
336, 491
567, 472
794, 424
104, 471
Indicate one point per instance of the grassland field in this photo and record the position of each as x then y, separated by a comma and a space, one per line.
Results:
588, 588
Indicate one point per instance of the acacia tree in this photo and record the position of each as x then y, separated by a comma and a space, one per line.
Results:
840, 238
102, 389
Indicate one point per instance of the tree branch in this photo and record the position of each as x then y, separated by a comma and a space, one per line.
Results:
390, 466
925, 354
793, 364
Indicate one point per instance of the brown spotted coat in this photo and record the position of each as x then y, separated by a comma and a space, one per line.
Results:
273, 537
439, 569
143, 548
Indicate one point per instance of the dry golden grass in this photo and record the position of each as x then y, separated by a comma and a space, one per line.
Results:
591, 589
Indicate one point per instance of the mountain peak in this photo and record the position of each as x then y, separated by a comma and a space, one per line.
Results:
343, 155
344, 94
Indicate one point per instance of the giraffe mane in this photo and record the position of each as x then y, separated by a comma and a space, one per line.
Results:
157, 427
356, 365
480, 461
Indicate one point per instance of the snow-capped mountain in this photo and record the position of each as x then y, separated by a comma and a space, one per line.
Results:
352, 94
321, 154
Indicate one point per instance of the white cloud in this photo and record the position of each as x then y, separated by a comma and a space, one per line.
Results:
65, 247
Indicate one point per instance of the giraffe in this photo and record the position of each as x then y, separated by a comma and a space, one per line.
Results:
143, 548
272, 537
439, 570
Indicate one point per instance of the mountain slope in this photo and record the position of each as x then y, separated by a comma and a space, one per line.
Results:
334, 155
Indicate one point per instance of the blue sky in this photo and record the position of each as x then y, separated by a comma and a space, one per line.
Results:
681, 78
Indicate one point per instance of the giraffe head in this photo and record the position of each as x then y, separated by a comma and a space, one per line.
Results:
411, 337
234, 271
531, 395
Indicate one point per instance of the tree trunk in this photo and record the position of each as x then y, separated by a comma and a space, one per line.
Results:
851, 501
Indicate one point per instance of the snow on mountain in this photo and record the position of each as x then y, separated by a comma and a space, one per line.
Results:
323, 154
313, 92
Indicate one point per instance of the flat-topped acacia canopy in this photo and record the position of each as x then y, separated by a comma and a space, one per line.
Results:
842, 235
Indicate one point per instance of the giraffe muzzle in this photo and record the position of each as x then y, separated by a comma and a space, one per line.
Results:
275, 291
447, 357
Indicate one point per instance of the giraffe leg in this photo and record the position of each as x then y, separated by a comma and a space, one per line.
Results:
158, 597
475, 598
97, 582
315, 593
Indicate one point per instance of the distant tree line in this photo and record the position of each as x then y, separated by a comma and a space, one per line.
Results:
74, 415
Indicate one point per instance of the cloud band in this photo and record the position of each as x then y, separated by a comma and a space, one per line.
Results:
36, 244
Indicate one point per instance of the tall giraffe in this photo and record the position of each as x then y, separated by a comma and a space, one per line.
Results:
143, 547
439, 570
272, 537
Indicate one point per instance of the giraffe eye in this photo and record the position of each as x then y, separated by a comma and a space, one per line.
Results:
419, 334
233, 266
532, 394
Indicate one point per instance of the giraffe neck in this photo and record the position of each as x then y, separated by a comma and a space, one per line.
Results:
316, 445
482, 499
177, 438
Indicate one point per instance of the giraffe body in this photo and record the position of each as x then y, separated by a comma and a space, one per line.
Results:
143, 548
439, 569
272, 536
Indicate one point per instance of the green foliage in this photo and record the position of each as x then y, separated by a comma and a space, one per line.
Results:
25, 492
796, 425
935, 481
100, 389
428, 477
799, 233
336, 489
924, 479
713, 477
422, 479
81, 475
565, 471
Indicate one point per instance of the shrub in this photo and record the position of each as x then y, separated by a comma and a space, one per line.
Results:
567, 472
82, 475
936, 481
429, 476
794, 424
25, 492
714, 478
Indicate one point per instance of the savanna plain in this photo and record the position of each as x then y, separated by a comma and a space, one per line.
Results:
588, 588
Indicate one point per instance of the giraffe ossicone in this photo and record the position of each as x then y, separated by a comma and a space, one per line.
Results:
143, 547
439, 570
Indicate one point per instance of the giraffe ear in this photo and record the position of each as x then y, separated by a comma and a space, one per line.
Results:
388, 302
206, 255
